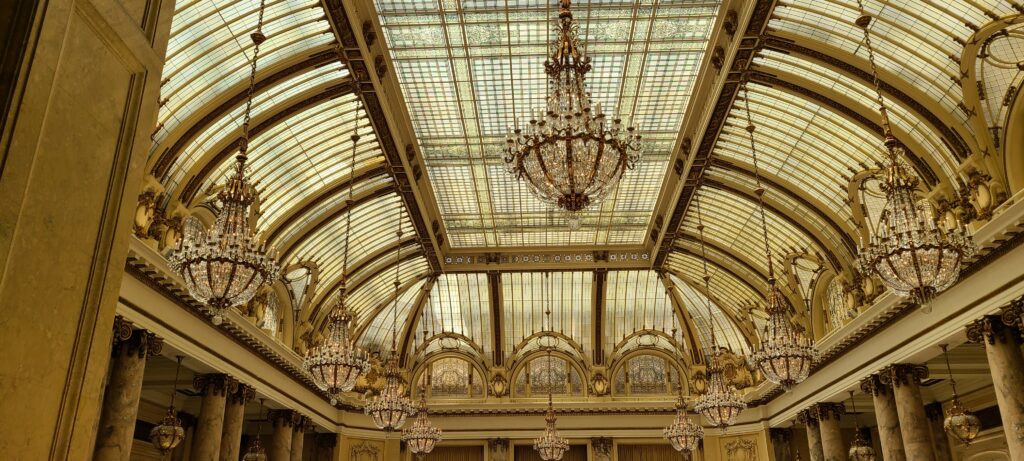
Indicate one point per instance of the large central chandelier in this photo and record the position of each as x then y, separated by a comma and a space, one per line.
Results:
721, 403
338, 362
225, 266
571, 154
785, 355
391, 407
421, 436
684, 434
909, 251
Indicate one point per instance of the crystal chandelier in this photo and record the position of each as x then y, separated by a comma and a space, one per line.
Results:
391, 407
422, 436
169, 433
256, 452
570, 154
960, 422
550, 445
785, 355
684, 434
860, 449
337, 363
721, 403
909, 251
225, 266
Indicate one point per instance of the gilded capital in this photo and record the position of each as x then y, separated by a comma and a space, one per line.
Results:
902, 374
215, 384
831, 411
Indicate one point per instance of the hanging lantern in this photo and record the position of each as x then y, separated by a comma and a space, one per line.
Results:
960, 422
860, 449
256, 452
169, 433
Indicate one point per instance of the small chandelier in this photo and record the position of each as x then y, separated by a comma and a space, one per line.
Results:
391, 407
860, 449
960, 422
225, 266
720, 403
786, 355
550, 445
336, 364
570, 154
909, 251
256, 452
422, 436
169, 433
684, 434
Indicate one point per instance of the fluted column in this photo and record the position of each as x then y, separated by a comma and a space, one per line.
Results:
210, 425
281, 441
299, 437
809, 418
889, 435
782, 441
905, 380
234, 421
121, 398
832, 446
1006, 364
939, 438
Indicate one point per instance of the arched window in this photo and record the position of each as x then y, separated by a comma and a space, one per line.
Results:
645, 375
544, 373
451, 377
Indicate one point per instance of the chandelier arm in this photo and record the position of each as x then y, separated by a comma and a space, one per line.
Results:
759, 191
257, 38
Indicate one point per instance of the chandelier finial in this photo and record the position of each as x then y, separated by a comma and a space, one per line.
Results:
909, 251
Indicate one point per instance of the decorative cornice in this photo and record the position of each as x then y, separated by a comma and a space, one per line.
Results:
830, 411
217, 384
903, 374
991, 329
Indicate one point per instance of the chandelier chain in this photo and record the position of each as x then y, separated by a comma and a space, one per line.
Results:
877, 82
759, 191
949, 369
258, 38
707, 275
349, 205
398, 274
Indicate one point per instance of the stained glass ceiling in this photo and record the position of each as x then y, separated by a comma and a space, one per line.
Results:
469, 70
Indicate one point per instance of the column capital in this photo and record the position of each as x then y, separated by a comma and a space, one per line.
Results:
934, 411
990, 329
243, 395
131, 340
284, 418
215, 384
902, 374
780, 434
808, 416
830, 411
602, 445
873, 385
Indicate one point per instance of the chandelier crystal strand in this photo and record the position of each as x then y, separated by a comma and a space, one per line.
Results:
960, 422
785, 355
225, 266
391, 407
550, 445
860, 449
571, 154
422, 435
684, 434
337, 363
721, 403
256, 452
169, 433
909, 251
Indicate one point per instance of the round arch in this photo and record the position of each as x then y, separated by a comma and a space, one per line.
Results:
621, 364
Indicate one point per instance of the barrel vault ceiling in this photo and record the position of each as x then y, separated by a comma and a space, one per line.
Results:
432, 85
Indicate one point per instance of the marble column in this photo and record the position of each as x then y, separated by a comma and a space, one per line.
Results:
302, 425
124, 387
1006, 364
234, 421
602, 447
889, 435
281, 441
498, 449
809, 418
782, 442
215, 389
905, 380
832, 446
939, 438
